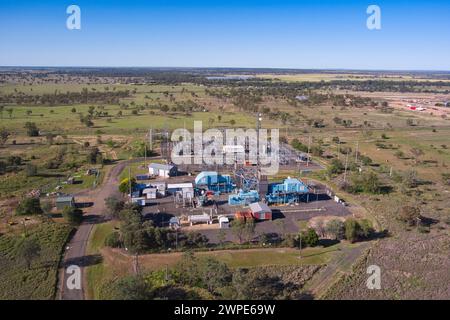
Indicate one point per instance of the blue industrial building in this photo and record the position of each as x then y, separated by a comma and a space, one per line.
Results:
243, 198
290, 191
213, 181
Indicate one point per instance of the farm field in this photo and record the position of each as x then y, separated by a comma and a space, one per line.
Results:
38, 280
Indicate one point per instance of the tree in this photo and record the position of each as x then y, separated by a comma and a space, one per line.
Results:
72, 215
124, 186
94, 156
335, 228
336, 167
366, 229
251, 285
409, 215
114, 206
310, 238
133, 288
29, 206
28, 251
352, 230
4, 135
371, 183
73, 110
134, 238
249, 229
221, 236
32, 129
238, 229
113, 240
214, 274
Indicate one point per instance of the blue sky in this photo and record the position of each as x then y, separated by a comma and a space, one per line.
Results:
415, 35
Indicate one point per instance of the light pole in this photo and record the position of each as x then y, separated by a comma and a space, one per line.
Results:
300, 243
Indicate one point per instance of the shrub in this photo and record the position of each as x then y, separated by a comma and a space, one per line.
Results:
336, 167
113, 240
29, 206
409, 215
310, 238
32, 129
352, 230
366, 229
335, 228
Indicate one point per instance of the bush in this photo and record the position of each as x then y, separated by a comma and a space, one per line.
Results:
336, 229
310, 238
32, 129
113, 240
124, 186
352, 230
409, 215
73, 216
114, 206
29, 206
366, 229
336, 167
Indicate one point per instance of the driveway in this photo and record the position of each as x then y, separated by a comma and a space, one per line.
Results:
75, 253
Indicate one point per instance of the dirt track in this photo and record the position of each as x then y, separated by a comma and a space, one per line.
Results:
75, 253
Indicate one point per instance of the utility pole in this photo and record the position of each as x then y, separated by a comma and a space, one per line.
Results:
300, 243
258, 127
145, 155
129, 181
346, 164
150, 138
338, 149
309, 149
356, 153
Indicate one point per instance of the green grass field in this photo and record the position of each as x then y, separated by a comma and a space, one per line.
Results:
38, 282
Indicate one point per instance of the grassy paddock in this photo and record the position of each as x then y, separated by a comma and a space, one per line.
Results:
38, 282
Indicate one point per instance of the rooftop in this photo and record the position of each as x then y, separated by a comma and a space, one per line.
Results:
160, 166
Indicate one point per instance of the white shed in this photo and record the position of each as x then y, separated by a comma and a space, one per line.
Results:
150, 193
224, 222
162, 170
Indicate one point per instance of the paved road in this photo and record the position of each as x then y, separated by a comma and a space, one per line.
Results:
75, 253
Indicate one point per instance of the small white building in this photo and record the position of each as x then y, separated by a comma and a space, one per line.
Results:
162, 170
224, 222
149, 193
185, 189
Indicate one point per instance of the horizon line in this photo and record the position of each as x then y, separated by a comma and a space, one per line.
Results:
224, 67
